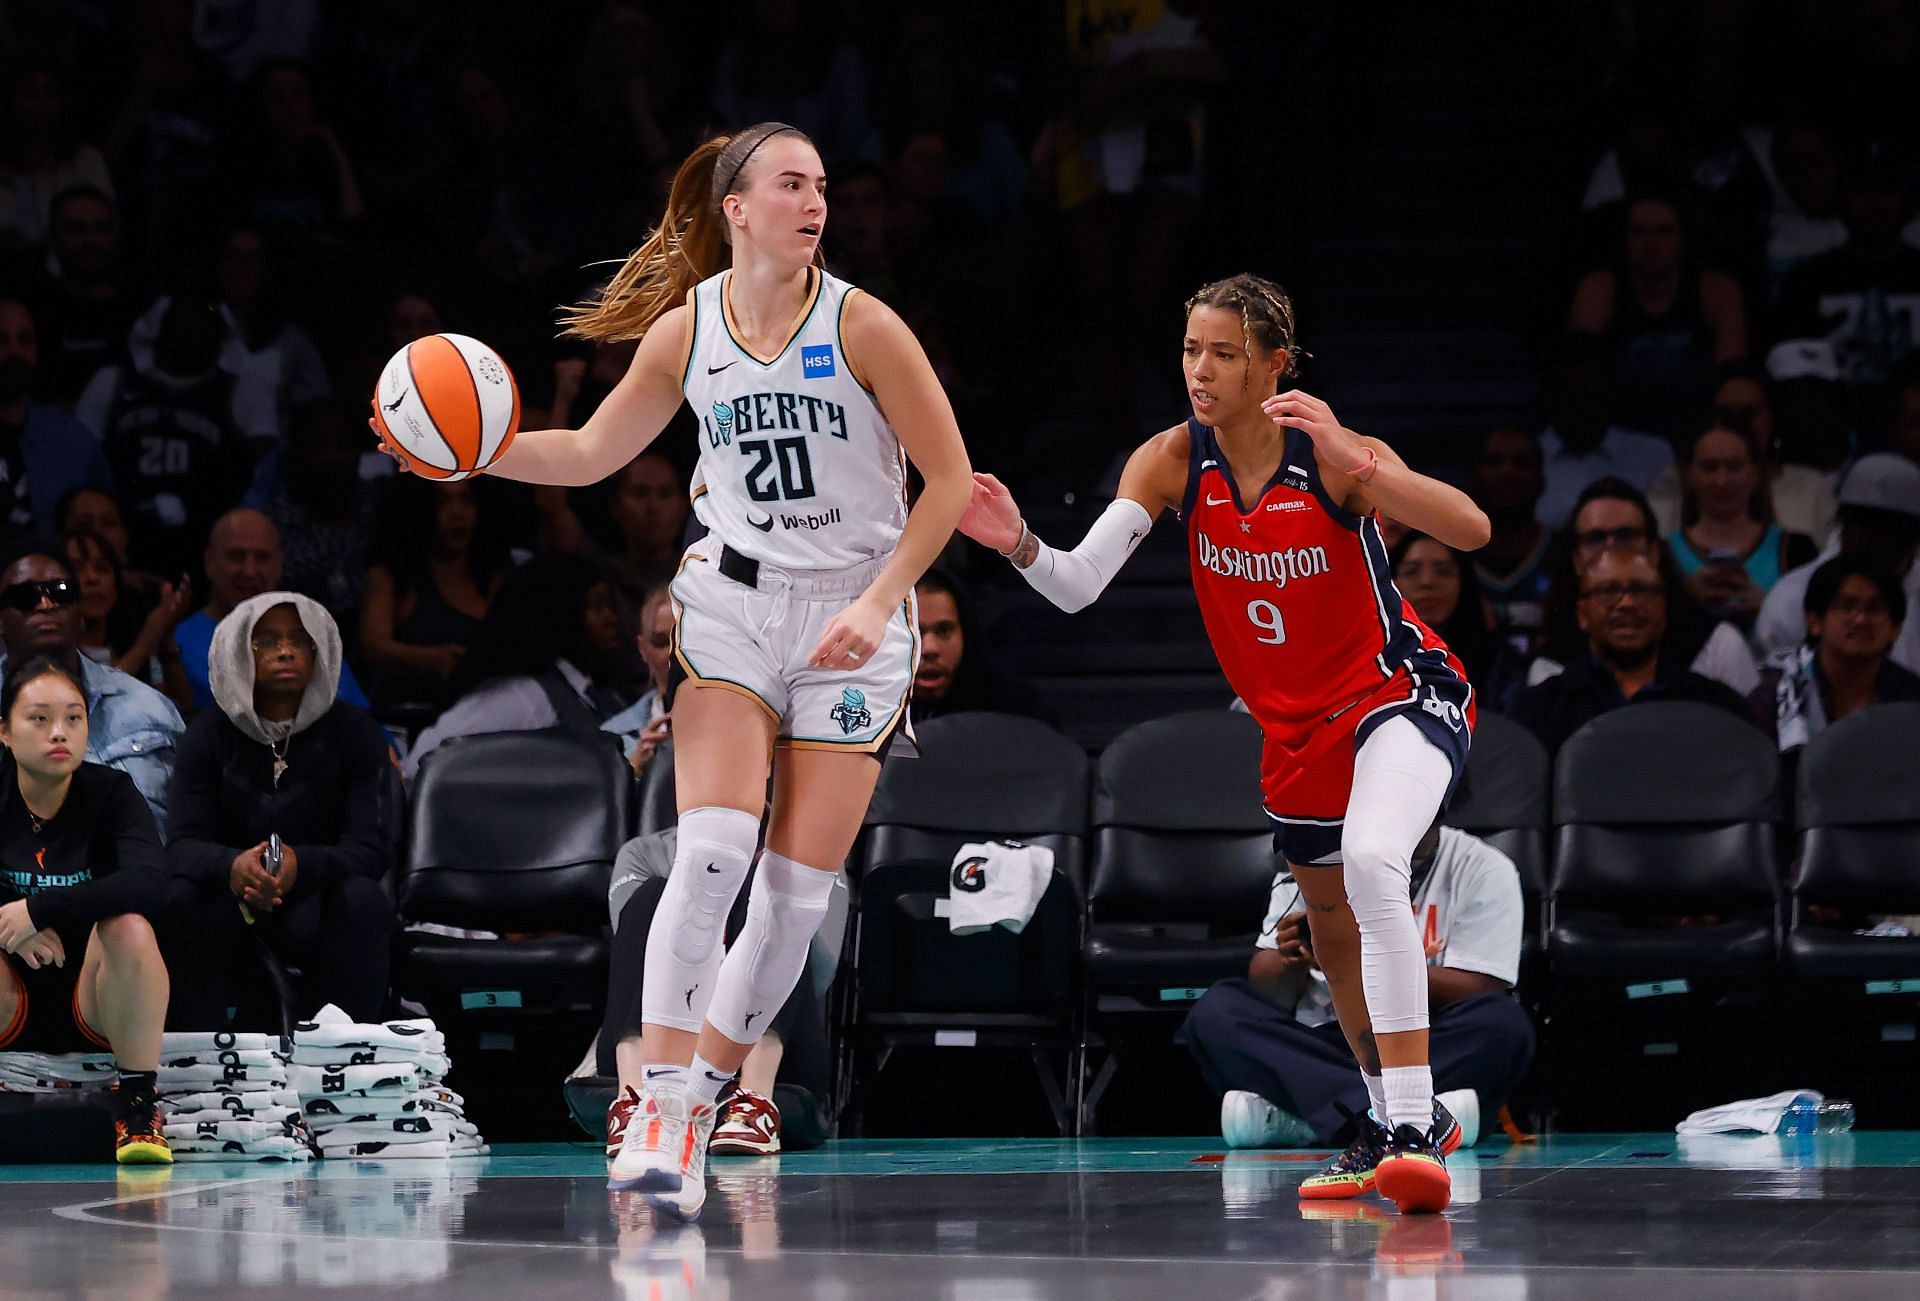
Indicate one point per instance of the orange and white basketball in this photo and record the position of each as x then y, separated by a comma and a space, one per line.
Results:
448, 405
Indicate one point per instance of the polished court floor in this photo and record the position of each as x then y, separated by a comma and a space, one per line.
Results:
1637, 1216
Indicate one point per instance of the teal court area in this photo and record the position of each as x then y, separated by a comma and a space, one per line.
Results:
1638, 1215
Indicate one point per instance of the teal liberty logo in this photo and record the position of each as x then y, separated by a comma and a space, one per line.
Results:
851, 713
720, 432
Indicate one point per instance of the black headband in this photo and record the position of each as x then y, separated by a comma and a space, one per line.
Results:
742, 164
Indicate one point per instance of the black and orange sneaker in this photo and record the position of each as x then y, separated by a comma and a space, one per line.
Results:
1353, 1172
1412, 1171
137, 1139
1350, 1174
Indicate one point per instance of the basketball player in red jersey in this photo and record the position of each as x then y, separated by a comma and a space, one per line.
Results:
1367, 716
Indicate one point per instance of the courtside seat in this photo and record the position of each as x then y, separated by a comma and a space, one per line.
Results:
1859, 815
1664, 911
979, 777
514, 834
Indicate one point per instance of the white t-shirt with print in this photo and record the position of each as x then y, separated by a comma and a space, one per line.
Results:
1469, 899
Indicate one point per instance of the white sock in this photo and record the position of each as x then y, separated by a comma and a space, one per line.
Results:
663, 1077
1409, 1096
1376, 1095
705, 1080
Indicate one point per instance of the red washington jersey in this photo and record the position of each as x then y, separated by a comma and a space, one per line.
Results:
1298, 598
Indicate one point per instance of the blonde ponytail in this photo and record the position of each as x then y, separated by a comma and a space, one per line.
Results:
688, 246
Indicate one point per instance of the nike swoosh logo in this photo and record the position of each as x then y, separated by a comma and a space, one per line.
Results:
1218, 501
654, 1075
712, 868
748, 1023
715, 370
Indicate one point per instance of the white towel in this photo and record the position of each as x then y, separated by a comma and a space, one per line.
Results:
52, 1072
332, 1028
431, 1066
285, 1117
274, 1148
225, 1057
180, 1079
397, 1129
245, 1131
1750, 1115
354, 1081
997, 883
438, 1147
337, 1110
238, 1104
178, 1043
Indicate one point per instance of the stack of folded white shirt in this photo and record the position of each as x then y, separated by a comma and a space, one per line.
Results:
377, 1089
227, 1097
55, 1072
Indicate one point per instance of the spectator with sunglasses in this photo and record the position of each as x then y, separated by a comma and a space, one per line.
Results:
1623, 615
132, 727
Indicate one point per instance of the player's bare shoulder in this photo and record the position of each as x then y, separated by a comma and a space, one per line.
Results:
1156, 473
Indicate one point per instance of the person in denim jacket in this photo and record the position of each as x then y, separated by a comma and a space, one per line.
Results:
132, 727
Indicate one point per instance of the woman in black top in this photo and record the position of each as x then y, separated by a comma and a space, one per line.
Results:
81, 871
280, 756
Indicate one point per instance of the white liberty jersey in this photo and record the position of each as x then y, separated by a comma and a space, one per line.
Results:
798, 468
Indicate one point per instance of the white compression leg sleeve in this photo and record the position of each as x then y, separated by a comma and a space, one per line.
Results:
788, 902
1072, 579
1399, 780
683, 946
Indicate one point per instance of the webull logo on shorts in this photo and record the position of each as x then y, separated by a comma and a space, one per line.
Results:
851, 713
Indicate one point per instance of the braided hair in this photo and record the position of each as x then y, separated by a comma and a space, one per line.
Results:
1266, 315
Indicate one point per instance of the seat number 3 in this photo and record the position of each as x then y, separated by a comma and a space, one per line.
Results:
1265, 615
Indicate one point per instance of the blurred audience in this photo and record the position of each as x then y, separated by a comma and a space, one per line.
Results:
1854, 613
1512, 570
545, 656
644, 726
131, 726
1666, 322
1880, 524
1441, 585
310, 488
1623, 615
1728, 546
82, 306
45, 454
40, 156
126, 626
439, 556
953, 675
1584, 444
281, 756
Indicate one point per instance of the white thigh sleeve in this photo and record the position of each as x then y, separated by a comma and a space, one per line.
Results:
1072, 579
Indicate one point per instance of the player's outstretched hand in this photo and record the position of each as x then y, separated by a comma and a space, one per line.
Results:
1307, 413
992, 518
851, 636
399, 461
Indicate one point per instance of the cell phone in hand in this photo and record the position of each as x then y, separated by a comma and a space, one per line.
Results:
1726, 559
271, 858
1306, 937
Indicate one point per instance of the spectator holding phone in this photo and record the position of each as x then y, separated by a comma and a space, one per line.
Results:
1729, 549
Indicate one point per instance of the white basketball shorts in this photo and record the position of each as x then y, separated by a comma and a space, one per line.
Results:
757, 640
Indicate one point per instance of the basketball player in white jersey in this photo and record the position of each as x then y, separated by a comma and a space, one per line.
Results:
796, 634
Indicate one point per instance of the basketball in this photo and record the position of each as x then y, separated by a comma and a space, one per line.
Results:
448, 405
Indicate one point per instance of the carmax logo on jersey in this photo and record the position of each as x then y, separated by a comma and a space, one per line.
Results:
820, 521
1276, 567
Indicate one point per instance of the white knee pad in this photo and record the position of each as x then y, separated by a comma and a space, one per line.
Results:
788, 903
683, 946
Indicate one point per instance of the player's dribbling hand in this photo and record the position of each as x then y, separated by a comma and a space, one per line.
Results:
992, 517
1314, 418
851, 636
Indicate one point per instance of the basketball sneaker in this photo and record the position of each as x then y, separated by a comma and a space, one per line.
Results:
137, 1138
1249, 1120
749, 1126
619, 1116
1412, 1171
664, 1153
1353, 1172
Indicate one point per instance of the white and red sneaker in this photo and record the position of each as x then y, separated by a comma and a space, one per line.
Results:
749, 1126
664, 1154
619, 1116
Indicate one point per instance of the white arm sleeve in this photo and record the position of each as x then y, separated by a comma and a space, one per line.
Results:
1073, 579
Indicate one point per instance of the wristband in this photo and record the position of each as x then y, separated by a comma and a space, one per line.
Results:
1371, 468
1018, 542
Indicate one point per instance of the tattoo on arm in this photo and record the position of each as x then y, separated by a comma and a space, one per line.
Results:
1370, 1052
1026, 550
1323, 907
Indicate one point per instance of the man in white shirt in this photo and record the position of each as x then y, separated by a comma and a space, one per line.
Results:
1879, 523
1580, 446
1269, 1044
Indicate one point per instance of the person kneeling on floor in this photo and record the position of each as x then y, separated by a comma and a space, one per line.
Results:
1269, 1044
81, 872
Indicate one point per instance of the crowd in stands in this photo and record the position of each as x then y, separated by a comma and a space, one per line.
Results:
217, 220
